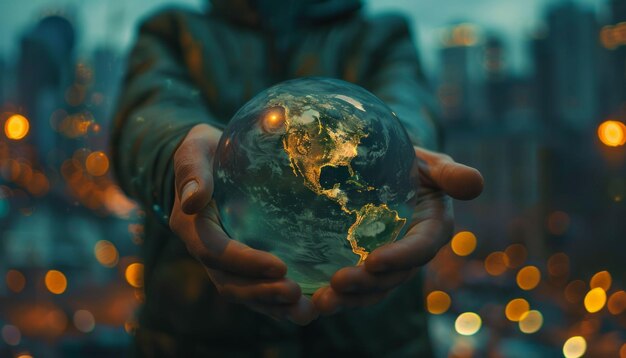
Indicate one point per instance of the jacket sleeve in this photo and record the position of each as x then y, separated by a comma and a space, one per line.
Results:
394, 74
158, 105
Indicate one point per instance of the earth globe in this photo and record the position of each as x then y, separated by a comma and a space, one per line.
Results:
316, 171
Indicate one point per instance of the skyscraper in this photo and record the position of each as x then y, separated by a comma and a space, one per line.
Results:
567, 60
462, 77
497, 84
45, 69
614, 40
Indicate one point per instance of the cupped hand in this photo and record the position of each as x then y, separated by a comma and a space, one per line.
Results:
430, 228
241, 274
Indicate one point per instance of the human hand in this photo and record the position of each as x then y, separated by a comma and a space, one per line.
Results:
430, 228
241, 274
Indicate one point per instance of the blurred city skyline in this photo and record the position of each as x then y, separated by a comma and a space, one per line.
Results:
115, 24
542, 117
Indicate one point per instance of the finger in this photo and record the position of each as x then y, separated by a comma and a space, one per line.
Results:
238, 258
192, 168
420, 244
206, 241
301, 313
325, 301
457, 180
328, 302
262, 291
352, 280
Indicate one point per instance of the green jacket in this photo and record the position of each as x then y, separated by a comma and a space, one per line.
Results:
189, 68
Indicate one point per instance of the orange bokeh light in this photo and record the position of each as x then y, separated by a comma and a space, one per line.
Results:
463, 243
15, 281
558, 265
97, 164
75, 125
462, 35
16, 127
595, 300
613, 36
528, 278
39, 184
558, 223
131, 326
601, 279
56, 282
515, 309
589, 325
106, 253
517, 254
496, 263
117, 203
575, 291
55, 322
612, 133
617, 303
134, 275
438, 302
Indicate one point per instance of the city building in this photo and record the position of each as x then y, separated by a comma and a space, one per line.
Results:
566, 60
462, 76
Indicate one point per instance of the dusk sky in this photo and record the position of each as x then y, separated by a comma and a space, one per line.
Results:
113, 21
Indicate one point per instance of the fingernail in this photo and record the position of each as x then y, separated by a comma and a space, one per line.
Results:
188, 190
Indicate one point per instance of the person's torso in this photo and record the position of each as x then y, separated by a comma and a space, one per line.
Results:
230, 64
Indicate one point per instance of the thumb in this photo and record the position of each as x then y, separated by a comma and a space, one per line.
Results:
192, 168
441, 171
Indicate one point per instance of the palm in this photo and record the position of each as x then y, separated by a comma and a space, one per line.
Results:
239, 272
430, 228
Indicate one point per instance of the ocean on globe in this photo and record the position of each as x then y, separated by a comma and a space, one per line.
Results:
316, 171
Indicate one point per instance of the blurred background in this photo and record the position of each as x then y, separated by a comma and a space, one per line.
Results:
532, 93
